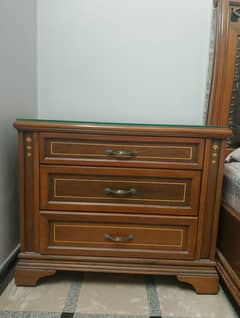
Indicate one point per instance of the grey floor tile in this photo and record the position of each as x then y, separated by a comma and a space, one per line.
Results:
180, 300
113, 294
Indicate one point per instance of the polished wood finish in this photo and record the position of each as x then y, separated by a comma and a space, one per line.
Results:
224, 110
30, 277
228, 255
113, 265
121, 150
229, 235
224, 64
152, 237
159, 217
202, 284
229, 276
146, 190
120, 129
29, 190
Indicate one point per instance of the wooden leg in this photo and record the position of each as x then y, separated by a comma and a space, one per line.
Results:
201, 284
30, 277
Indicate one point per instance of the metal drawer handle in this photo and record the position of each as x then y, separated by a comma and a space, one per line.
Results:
108, 237
120, 192
121, 153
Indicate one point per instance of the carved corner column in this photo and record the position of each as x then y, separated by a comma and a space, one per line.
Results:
210, 199
208, 282
29, 187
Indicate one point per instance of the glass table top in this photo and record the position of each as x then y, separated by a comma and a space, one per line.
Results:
114, 123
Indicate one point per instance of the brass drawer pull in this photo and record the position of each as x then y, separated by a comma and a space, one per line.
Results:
121, 153
108, 237
120, 192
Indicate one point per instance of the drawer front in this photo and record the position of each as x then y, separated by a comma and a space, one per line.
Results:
102, 235
125, 190
120, 150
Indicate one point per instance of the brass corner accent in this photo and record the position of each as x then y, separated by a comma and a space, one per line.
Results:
28, 146
214, 154
29, 139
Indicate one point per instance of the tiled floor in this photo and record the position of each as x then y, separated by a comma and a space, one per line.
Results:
76, 295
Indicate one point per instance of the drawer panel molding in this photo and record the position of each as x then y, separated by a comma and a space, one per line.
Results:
121, 150
128, 194
81, 234
155, 191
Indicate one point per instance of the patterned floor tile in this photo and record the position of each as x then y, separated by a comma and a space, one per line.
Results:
73, 295
113, 294
96, 295
48, 296
180, 300
152, 296
29, 314
77, 315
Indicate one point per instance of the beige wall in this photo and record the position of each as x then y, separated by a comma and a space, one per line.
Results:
123, 61
18, 98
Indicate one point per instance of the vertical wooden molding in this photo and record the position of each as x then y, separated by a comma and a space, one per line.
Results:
219, 68
217, 200
208, 209
36, 166
224, 64
203, 198
28, 191
21, 185
31, 187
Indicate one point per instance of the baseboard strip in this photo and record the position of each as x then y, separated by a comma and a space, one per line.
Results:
6, 269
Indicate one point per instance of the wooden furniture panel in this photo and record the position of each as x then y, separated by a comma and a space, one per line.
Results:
228, 254
121, 150
224, 97
224, 109
229, 237
79, 211
155, 191
156, 237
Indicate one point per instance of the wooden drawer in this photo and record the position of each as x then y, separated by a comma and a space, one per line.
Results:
118, 189
138, 151
118, 235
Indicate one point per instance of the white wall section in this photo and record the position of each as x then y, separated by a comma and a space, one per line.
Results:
124, 61
18, 98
